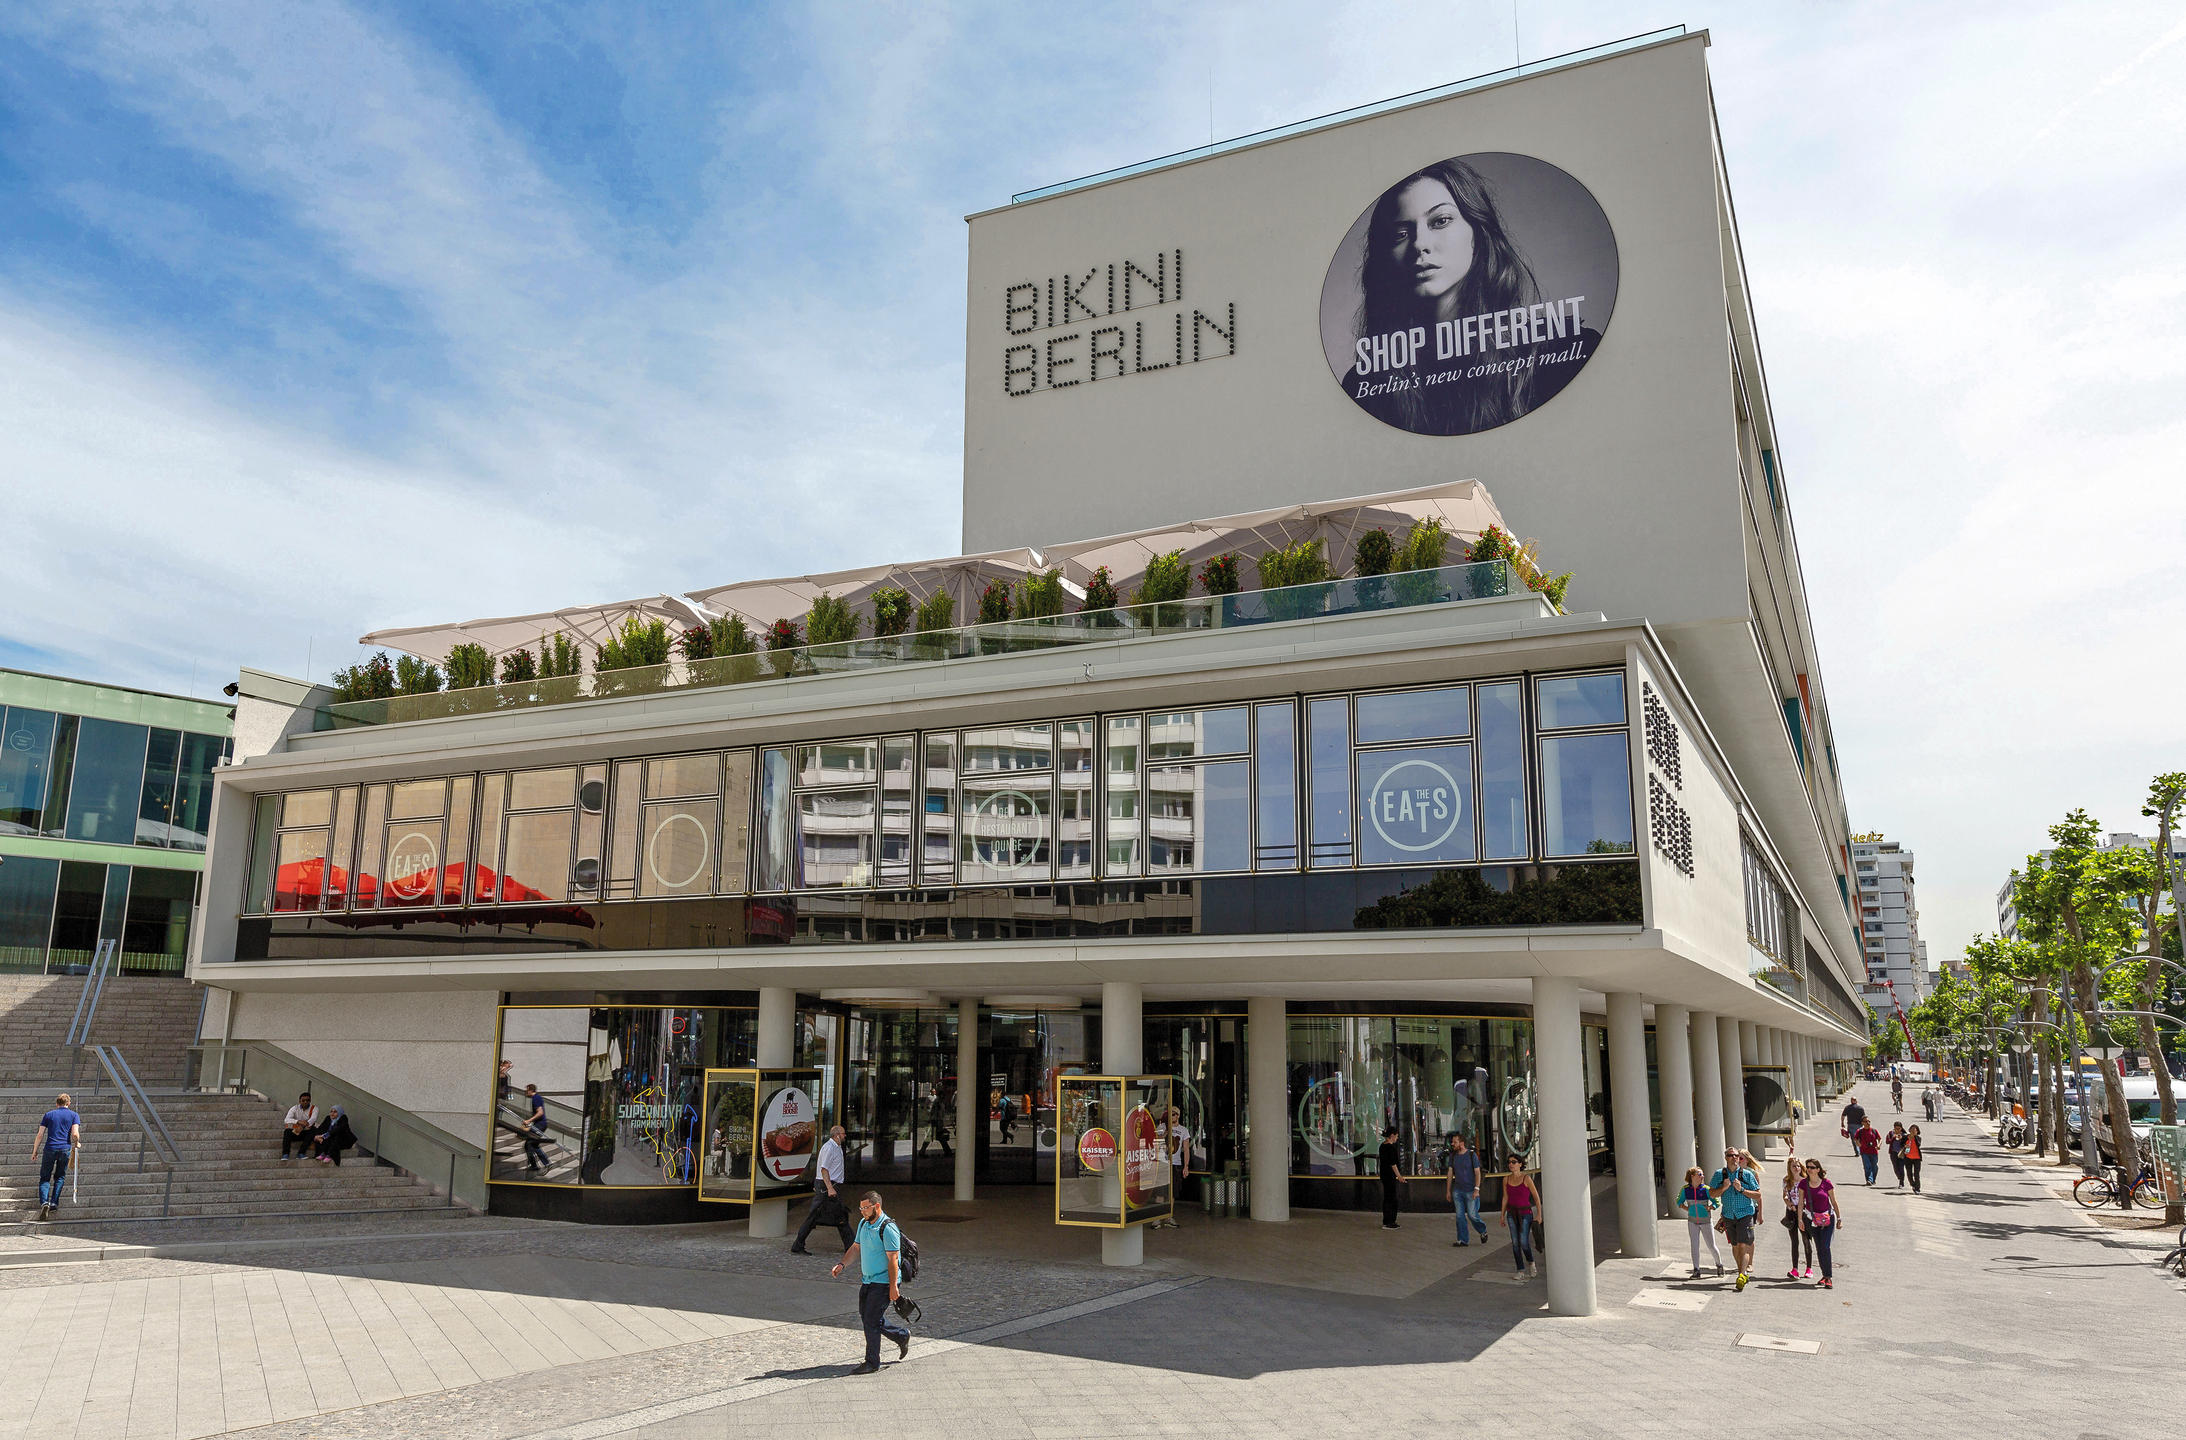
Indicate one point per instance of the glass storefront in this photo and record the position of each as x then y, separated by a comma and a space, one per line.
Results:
621, 1090
1425, 777
74, 777
55, 913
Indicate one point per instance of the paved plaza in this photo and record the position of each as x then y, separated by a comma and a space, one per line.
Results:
1987, 1306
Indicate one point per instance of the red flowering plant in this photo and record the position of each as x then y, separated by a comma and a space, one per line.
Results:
1219, 575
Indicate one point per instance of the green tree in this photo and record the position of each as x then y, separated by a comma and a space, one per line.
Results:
1168, 577
892, 610
1040, 595
2076, 903
469, 666
414, 676
832, 622
937, 612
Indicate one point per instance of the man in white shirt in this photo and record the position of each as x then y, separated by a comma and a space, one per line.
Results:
827, 1206
299, 1125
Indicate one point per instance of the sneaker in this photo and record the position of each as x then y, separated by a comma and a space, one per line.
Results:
1719, 1272
1829, 1285
1387, 1226
1533, 1270
799, 1250
1792, 1274
1741, 1281
903, 1347
1695, 1275
866, 1370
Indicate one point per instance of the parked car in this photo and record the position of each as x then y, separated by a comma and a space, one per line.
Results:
2142, 1107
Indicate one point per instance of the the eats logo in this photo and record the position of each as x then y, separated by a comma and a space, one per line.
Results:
1415, 805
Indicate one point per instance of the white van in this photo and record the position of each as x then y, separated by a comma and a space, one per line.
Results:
2142, 1105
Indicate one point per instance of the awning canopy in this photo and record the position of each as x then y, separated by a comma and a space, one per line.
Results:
1463, 506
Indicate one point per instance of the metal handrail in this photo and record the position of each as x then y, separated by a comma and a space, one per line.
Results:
399, 1139
94, 986
153, 1130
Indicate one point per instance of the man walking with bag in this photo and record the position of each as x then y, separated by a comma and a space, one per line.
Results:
879, 1247
827, 1206
60, 1131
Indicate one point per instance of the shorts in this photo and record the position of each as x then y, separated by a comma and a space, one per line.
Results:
1738, 1231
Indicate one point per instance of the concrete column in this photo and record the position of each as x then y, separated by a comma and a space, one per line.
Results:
1731, 1051
1633, 1135
1708, 1137
1567, 1207
1267, 1105
1674, 1073
1123, 1052
777, 1048
970, 1090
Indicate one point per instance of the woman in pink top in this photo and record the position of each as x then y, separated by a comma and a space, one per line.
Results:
1520, 1200
1818, 1210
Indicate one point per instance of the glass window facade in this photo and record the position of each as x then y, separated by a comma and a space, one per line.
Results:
1430, 1076
1423, 777
70, 777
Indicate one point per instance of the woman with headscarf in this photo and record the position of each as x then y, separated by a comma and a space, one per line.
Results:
334, 1137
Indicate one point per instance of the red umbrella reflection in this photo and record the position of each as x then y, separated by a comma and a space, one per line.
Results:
306, 884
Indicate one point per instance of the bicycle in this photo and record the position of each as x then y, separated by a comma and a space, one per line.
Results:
2095, 1191
2175, 1262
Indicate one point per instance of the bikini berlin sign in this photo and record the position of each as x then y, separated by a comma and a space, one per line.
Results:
1117, 318
1469, 294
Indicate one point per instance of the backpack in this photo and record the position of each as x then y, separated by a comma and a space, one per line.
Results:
906, 1255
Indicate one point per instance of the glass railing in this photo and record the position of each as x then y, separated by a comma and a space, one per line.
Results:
1358, 595
1357, 112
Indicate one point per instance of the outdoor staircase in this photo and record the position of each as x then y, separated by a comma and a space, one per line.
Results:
231, 1164
151, 1019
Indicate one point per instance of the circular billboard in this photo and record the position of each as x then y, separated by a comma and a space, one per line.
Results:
1469, 294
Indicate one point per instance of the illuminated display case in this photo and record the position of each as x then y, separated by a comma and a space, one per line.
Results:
761, 1134
1112, 1165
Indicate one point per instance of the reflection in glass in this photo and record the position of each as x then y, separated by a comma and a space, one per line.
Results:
410, 873
535, 864
306, 807
898, 822
1328, 783
155, 805
1184, 734
1275, 772
735, 821
731, 1131
27, 886
622, 830
300, 861
678, 848
26, 746
541, 1140
835, 839
838, 762
1199, 818
418, 800
1567, 701
1415, 805
1008, 747
772, 868
1586, 794
682, 775
1429, 1076
1125, 825
937, 860
542, 789
1412, 715
1074, 813
193, 817
1502, 773
156, 931
487, 884
108, 781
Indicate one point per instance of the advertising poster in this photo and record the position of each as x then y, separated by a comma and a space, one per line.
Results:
1469, 293
1149, 1185
789, 1132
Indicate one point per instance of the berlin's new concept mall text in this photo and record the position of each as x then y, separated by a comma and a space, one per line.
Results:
1376, 692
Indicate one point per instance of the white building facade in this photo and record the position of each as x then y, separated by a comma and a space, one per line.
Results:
1896, 957
1422, 849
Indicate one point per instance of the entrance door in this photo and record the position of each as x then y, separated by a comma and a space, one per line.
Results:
1015, 1108
933, 1162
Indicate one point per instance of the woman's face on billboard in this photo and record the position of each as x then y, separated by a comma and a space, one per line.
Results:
1430, 243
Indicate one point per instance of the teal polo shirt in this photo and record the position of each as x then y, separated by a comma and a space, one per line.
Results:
876, 1237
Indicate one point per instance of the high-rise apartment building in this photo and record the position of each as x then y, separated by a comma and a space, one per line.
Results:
1897, 958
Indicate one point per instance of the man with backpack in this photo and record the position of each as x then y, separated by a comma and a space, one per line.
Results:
882, 1269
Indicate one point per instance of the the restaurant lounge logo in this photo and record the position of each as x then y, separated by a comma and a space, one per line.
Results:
1415, 805
1469, 294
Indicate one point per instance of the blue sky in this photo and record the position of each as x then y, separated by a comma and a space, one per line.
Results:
319, 317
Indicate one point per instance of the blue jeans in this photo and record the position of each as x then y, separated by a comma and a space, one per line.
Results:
52, 1170
1468, 1207
879, 1320
1870, 1163
1521, 1239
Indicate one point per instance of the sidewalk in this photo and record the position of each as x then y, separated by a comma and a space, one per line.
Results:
1983, 1307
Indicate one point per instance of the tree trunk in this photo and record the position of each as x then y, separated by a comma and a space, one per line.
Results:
2122, 1142
2151, 987
2038, 1115
2063, 1137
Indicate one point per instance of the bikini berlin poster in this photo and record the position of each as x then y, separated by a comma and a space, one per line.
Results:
1469, 294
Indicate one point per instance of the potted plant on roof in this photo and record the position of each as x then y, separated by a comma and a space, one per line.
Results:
893, 611
1218, 577
633, 660
829, 628
1418, 560
1373, 557
1168, 579
723, 651
1292, 580
785, 642
936, 617
1099, 605
1494, 544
